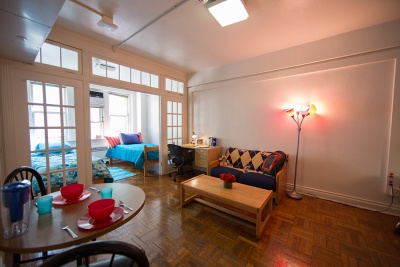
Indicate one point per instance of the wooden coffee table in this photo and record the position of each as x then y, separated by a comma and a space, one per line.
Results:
243, 197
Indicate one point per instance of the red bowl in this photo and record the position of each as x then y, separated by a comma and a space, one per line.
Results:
101, 209
72, 191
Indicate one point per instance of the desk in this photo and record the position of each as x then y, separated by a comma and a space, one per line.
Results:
204, 155
45, 233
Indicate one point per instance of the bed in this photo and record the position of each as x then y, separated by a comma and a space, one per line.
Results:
134, 153
100, 171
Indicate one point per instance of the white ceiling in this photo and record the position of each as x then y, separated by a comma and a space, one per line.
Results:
190, 39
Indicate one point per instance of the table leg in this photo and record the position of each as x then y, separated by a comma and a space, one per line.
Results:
258, 224
182, 196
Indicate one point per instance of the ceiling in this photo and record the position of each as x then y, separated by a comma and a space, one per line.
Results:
188, 37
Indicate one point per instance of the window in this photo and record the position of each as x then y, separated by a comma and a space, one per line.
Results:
58, 56
174, 123
96, 123
104, 68
174, 86
118, 113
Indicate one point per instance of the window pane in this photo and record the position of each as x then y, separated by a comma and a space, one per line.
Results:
174, 132
145, 78
36, 116
36, 136
125, 74
118, 105
174, 86
70, 136
169, 120
180, 87
53, 117
118, 124
35, 92
51, 54
169, 107
54, 135
179, 108
135, 76
154, 80
168, 84
69, 59
174, 107
68, 96
99, 67
112, 70
179, 123
96, 114
96, 130
52, 94
69, 117
169, 132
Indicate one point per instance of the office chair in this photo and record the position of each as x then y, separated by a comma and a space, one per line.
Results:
179, 157
122, 254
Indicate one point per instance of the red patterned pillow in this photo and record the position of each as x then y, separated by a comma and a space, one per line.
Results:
113, 140
140, 136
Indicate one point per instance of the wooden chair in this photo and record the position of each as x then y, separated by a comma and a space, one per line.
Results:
122, 254
27, 173
147, 161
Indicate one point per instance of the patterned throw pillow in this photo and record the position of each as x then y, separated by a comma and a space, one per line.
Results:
113, 140
273, 163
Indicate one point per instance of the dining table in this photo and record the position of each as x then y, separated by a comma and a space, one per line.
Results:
45, 232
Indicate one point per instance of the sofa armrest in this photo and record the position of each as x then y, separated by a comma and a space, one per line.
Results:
281, 180
214, 163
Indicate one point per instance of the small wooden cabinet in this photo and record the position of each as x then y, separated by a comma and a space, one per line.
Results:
204, 155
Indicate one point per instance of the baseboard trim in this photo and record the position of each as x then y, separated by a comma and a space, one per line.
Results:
347, 200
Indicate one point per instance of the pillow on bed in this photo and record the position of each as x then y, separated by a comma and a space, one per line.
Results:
140, 136
113, 140
129, 138
54, 145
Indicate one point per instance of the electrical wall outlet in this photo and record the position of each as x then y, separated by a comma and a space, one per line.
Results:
396, 192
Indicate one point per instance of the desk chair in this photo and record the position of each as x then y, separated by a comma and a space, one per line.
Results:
122, 254
27, 173
179, 157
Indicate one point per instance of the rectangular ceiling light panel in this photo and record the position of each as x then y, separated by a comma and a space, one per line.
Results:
227, 12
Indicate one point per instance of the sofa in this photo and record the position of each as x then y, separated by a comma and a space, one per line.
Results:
261, 169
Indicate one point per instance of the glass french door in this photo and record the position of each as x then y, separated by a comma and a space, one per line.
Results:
53, 120
174, 126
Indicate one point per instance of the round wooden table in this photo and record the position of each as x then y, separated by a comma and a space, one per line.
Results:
45, 231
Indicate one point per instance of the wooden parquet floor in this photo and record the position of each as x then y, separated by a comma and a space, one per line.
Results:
307, 232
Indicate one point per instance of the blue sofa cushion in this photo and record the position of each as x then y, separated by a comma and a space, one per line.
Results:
258, 180
215, 172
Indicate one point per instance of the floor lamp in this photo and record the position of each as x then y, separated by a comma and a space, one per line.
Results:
298, 113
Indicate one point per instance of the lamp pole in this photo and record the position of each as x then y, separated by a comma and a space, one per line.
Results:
303, 111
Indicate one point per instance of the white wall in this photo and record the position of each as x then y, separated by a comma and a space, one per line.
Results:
349, 146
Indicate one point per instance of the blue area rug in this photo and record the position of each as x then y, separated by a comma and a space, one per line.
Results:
118, 173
